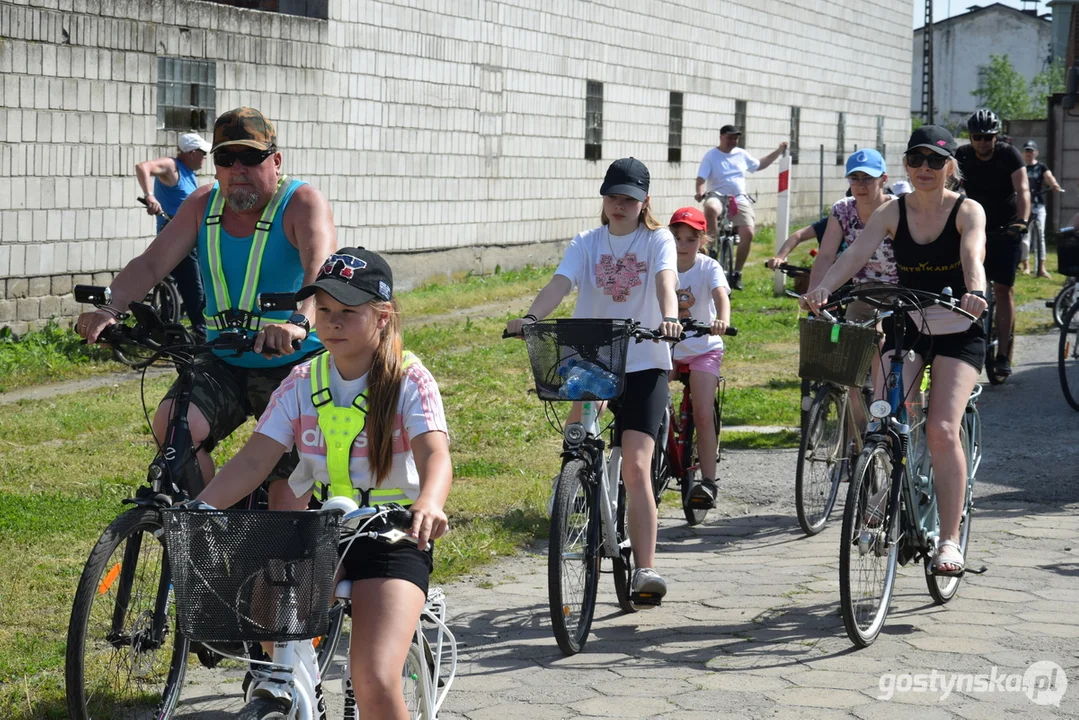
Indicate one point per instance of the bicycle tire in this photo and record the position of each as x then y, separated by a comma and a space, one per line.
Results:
815, 493
660, 465
264, 708
623, 564
88, 697
992, 342
572, 608
1068, 296
943, 588
727, 255
862, 630
692, 474
165, 298
327, 644
1068, 357
415, 689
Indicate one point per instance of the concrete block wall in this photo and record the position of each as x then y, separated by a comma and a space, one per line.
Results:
433, 127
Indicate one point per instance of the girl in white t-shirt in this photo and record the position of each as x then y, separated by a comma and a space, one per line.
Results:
626, 269
401, 455
703, 296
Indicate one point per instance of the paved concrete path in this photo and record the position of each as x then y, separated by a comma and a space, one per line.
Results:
750, 627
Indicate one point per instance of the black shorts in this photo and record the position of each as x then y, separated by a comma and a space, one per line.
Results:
367, 559
227, 395
968, 346
1002, 252
644, 398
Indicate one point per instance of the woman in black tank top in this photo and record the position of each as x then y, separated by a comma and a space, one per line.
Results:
931, 256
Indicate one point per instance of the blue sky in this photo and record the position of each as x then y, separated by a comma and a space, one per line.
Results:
958, 7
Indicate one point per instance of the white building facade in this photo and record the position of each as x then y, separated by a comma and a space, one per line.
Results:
449, 134
962, 45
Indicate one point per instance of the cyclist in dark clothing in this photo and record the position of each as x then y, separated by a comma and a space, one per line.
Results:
994, 175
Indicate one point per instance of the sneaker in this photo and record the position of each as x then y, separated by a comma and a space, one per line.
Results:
647, 587
703, 495
736, 280
1002, 366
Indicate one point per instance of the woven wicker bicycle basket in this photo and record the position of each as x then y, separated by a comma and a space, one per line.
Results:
251, 575
555, 345
840, 354
1068, 254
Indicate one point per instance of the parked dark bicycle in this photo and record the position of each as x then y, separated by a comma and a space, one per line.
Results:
123, 648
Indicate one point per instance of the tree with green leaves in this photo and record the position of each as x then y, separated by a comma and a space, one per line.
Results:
1046, 83
1003, 90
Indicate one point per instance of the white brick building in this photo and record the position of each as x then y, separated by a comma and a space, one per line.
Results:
449, 133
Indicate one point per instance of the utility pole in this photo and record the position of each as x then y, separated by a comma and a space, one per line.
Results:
927, 64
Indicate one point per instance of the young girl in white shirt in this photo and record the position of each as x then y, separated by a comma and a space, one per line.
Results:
703, 296
626, 269
401, 455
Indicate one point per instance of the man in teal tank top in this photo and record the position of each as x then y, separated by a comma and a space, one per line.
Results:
256, 231
173, 180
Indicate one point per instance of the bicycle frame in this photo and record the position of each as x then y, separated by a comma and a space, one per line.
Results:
590, 412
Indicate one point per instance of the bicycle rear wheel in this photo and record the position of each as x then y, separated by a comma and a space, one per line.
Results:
866, 566
623, 564
124, 654
943, 588
1068, 296
822, 461
414, 677
1068, 357
573, 558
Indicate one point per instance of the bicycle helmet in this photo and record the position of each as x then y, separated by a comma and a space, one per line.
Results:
983, 121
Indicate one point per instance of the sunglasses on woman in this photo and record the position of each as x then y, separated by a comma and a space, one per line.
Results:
248, 158
935, 162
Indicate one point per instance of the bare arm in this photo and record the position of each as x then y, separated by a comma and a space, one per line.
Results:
881, 224
700, 189
829, 249
971, 225
772, 156
1022, 193
548, 299
722, 301
432, 453
1052, 182
794, 240
164, 169
244, 472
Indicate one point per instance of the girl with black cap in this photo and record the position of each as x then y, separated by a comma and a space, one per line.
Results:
939, 241
626, 268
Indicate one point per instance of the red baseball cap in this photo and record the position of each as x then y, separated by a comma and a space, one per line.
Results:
689, 216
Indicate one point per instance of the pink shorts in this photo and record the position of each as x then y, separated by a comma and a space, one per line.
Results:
709, 362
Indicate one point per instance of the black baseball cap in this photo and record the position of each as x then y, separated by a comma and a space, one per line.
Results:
730, 130
627, 176
1031, 145
934, 137
352, 276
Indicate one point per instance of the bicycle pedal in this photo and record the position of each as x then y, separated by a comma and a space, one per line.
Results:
646, 599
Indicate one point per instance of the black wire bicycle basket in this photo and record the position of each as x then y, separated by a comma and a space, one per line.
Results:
835, 353
1068, 254
251, 575
578, 359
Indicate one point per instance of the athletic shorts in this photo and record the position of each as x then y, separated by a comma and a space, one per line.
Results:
1002, 252
368, 559
227, 395
968, 346
745, 217
709, 362
643, 401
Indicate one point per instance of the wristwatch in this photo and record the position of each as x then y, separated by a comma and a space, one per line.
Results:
300, 320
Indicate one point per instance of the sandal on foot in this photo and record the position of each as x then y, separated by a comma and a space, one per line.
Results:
948, 553
703, 495
874, 509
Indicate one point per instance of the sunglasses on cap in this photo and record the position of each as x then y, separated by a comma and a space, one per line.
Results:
982, 137
935, 161
248, 158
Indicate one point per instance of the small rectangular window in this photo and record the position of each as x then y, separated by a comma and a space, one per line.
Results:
796, 128
318, 9
841, 139
880, 135
593, 121
186, 94
740, 120
674, 129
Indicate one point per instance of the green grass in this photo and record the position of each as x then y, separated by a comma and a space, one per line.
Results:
47, 355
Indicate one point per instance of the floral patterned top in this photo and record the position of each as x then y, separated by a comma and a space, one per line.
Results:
881, 267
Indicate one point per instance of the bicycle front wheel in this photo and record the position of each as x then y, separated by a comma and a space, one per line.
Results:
573, 558
125, 657
726, 255
1068, 357
821, 461
264, 708
326, 645
992, 340
867, 554
1067, 297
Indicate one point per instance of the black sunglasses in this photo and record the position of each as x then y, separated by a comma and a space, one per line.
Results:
935, 161
981, 137
247, 158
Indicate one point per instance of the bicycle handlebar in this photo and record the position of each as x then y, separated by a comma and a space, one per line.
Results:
899, 299
695, 327
162, 213
791, 270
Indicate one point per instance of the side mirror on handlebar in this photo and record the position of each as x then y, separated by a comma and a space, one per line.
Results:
276, 301
93, 294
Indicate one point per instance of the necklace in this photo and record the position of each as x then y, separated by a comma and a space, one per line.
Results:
636, 235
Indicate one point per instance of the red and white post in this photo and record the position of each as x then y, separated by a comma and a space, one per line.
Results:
783, 214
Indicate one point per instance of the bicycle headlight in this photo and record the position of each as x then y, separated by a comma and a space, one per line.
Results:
880, 409
574, 433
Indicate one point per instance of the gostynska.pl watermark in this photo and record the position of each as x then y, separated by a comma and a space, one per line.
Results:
1044, 682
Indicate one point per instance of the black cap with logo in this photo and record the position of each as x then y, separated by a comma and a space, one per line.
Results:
352, 276
627, 176
933, 137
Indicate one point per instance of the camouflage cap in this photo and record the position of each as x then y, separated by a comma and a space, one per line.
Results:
244, 126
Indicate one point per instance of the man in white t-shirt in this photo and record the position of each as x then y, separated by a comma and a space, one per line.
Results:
723, 172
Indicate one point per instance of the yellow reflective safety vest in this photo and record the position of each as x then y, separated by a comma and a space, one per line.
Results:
340, 427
